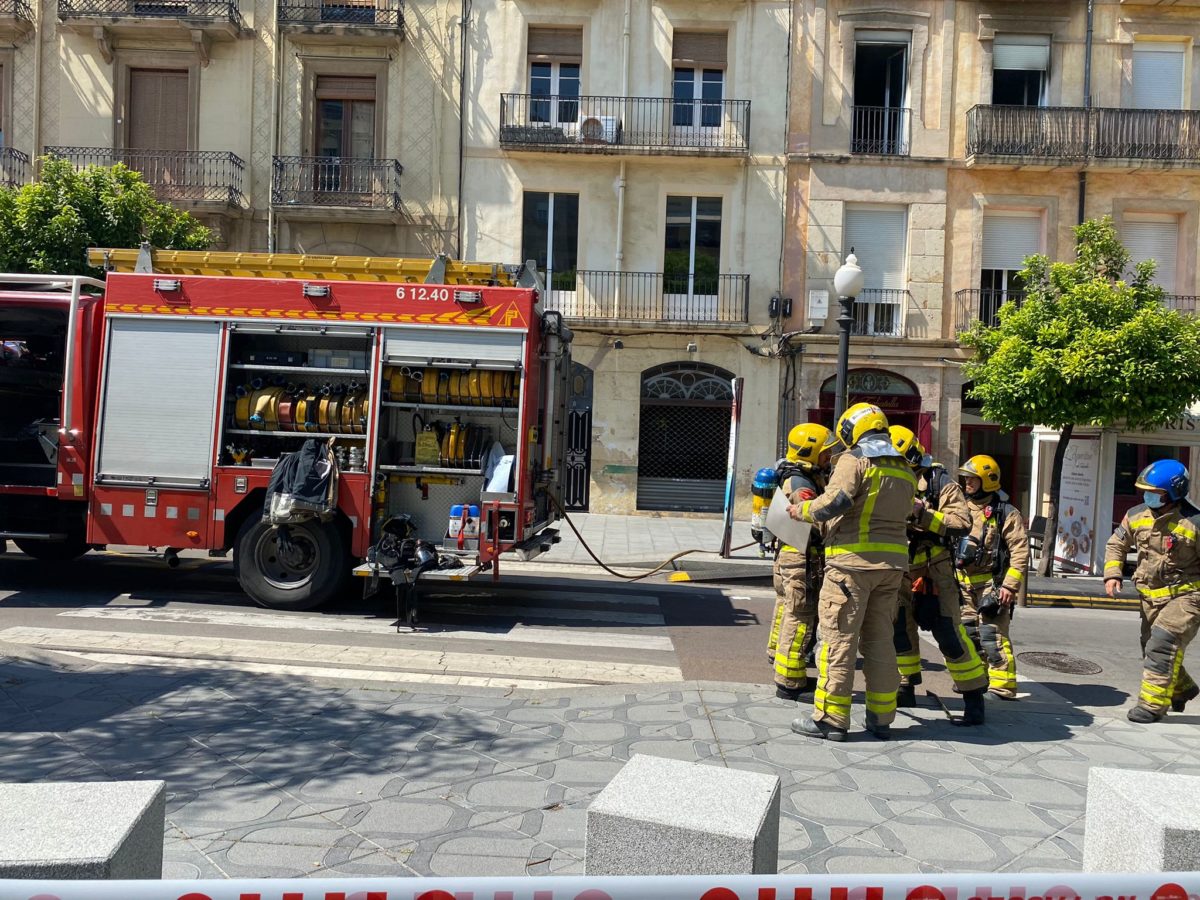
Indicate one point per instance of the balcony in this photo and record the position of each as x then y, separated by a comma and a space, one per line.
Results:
643, 125
880, 130
1184, 303
365, 20
980, 305
879, 312
1048, 136
207, 18
14, 168
176, 176
16, 19
319, 184
656, 297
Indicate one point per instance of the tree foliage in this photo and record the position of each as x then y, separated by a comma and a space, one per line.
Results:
46, 227
1087, 347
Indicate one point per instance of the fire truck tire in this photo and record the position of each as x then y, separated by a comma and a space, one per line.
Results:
64, 550
303, 576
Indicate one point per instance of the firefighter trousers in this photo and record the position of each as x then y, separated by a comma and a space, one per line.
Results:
1168, 626
941, 615
990, 635
777, 615
857, 610
797, 621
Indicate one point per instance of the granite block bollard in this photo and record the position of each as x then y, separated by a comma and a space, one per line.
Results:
668, 817
1141, 822
82, 830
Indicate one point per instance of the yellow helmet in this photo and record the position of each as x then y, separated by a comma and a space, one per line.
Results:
985, 469
805, 443
856, 422
907, 444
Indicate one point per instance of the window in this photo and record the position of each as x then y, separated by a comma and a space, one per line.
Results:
1019, 66
1154, 237
1158, 69
555, 61
880, 115
880, 233
550, 236
699, 59
158, 109
1008, 237
345, 120
692, 254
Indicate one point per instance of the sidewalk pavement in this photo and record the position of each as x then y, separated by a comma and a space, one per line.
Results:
270, 776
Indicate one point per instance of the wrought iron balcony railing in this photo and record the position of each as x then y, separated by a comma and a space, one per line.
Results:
1075, 133
334, 181
14, 167
16, 9
882, 130
175, 175
880, 312
196, 10
981, 305
382, 14
582, 124
650, 296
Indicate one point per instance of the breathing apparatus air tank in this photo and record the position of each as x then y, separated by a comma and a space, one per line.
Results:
763, 489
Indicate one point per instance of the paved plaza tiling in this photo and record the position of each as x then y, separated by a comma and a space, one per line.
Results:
271, 776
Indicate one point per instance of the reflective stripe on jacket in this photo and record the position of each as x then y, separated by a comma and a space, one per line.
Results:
1168, 559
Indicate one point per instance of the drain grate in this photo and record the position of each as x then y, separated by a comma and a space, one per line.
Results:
1060, 662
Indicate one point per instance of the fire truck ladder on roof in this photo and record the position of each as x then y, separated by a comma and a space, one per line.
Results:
440, 270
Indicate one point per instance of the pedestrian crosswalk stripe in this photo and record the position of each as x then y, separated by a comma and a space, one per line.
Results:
498, 611
302, 622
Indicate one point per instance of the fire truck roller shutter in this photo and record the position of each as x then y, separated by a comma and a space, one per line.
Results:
495, 347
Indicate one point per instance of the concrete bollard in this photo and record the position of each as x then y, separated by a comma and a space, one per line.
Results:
667, 817
1141, 822
82, 830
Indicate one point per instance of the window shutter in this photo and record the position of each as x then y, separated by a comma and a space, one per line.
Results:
1025, 52
1008, 238
876, 36
345, 87
158, 110
879, 237
1156, 239
561, 44
701, 49
1158, 76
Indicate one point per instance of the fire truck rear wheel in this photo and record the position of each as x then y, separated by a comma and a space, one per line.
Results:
64, 550
305, 573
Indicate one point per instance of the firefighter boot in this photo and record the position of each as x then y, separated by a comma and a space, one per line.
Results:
883, 732
787, 693
806, 726
1182, 700
906, 696
973, 707
1143, 716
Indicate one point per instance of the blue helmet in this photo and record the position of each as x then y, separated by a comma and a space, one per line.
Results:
1168, 475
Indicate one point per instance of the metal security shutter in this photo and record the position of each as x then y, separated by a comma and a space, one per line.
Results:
496, 348
875, 36
1010, 237
158, 110
560, 44
707, 49
157, 417
1026, 52
879, 237
345, 87
1156, 239
1158, 76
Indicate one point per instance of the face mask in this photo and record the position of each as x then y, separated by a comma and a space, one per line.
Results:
1153, 500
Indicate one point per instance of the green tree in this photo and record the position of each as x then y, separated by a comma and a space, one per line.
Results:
46, 227
1085, 347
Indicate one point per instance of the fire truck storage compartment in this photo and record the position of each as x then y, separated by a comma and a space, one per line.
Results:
450, 408
32, 344
160, 383
288, 382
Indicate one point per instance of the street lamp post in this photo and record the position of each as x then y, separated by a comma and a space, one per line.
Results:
848, 283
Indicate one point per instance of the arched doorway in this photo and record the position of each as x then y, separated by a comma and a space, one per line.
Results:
577, 477
894, 394
683, 437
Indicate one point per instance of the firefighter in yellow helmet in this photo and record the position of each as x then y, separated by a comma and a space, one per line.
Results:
991, 563
929, 594
863, 511
801, 474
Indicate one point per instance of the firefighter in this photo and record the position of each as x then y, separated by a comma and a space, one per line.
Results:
1164, 531
929, 594
991, 563
801, 474
863, 512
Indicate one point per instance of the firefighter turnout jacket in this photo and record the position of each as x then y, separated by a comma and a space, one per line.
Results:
999, 530
1168, 559
945, 517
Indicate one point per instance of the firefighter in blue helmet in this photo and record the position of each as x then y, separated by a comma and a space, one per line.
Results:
1163, 530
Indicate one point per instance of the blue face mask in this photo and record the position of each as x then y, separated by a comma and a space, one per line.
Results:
1153, 500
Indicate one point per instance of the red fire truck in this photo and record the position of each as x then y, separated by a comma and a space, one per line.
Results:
150, 409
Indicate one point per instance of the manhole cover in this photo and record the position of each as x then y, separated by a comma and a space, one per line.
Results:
1060, 662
